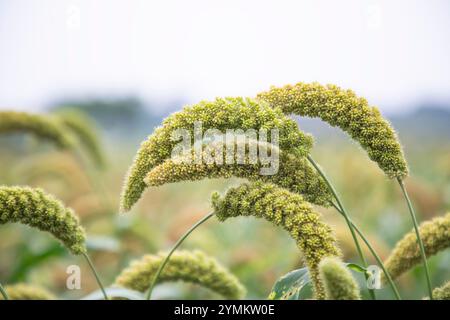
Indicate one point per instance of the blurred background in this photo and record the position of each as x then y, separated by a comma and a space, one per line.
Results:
128, 64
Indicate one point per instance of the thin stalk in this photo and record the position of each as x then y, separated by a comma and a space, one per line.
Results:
3, 292
419, 239
345, 215
375, 255
94, 271
177, 244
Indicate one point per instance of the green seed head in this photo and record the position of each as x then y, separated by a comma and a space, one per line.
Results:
84, 129
344, 109
293, 173
442, 293
314, 238
22, 291
338, 281
222, 114
42, 126
188, 266
435, 235
36, 209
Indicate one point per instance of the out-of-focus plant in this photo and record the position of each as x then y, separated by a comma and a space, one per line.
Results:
188, 266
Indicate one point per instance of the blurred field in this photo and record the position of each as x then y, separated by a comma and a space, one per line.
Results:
254, 250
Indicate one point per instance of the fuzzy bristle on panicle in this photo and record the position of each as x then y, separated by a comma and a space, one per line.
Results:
314, 238
442, 293
22, 291
85, 130
39, 125
39, 210
221, 114
293, 173
344, 109
188, 266
338, 281
435, 235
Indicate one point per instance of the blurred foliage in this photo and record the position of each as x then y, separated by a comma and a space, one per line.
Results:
256, 252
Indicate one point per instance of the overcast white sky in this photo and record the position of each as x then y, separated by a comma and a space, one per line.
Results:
394, 52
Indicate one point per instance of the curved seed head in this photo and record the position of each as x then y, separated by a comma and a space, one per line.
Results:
85, 130
40, 125
344, 109
39, 210
22, 291
188, 266
435, 235
338, 281
314, 238
293, 173
221, 114
442, 293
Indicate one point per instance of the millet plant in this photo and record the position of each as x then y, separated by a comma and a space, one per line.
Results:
291, 198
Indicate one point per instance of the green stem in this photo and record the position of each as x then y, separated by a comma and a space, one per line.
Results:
375, 255
3, 292
94, 271
419, 239
177, 244
345, 215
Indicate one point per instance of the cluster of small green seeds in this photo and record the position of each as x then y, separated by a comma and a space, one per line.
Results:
338, 281
442, 293
37, 209
435, 235
188, 266
221, 114
40, 125
294, 173
23, 291
344, 109
314, 238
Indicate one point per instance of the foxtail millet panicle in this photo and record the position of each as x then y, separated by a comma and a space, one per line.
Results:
221, 114
338, 280
84, 129
39, 210
314, 238
40, 125
344, 109
435, 235
293, 173
188, 266
22, 291
442, 293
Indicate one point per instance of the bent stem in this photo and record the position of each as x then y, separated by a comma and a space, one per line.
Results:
177, 244
375, 255
419, 239
3, 292
97, 278
345, 215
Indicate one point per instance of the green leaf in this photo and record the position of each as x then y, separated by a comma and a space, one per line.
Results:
356, 267
289, 286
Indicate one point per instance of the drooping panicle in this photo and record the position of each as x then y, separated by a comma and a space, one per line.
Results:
344, 109
435, 235
314, 238
39, 210
292, 172
221, 114
188, 266
442, 293
338, 281
22, 291
85, 130
39, 125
